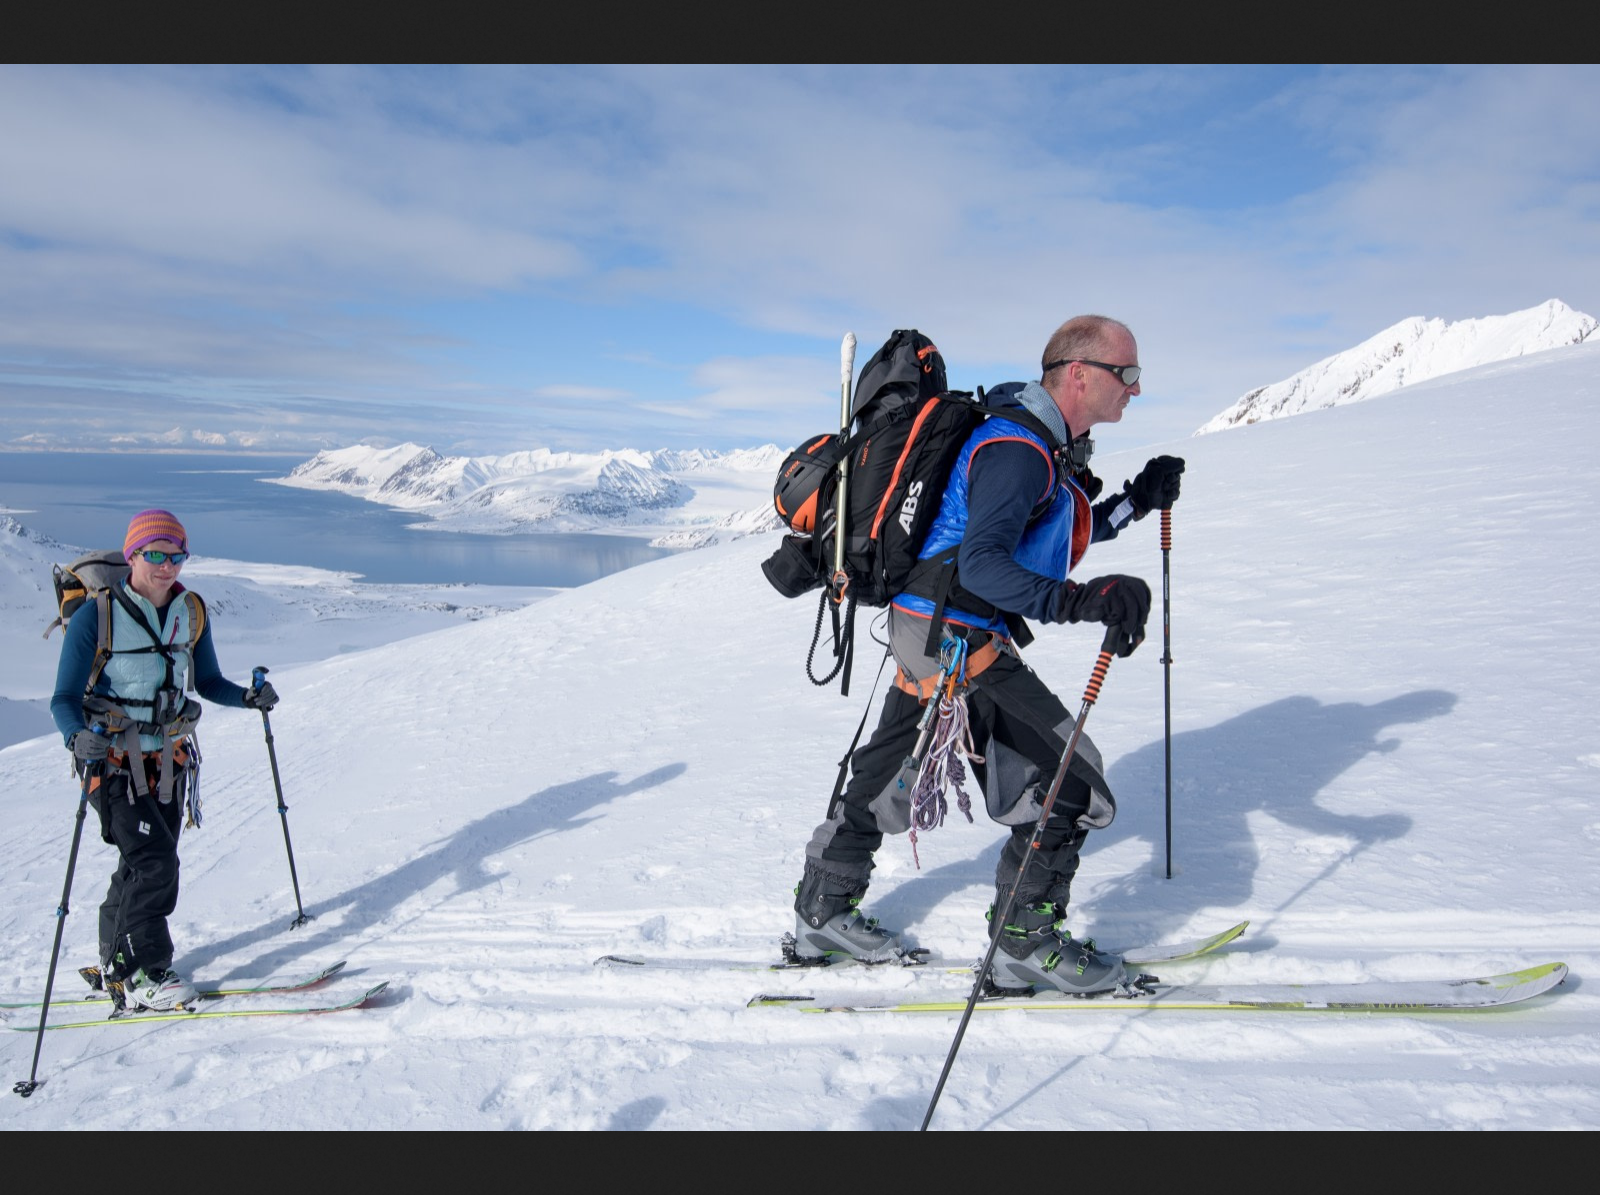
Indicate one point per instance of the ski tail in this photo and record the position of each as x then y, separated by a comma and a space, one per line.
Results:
97, 993
203, 1012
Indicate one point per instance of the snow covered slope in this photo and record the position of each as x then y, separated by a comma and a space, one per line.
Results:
1384, 756
685, 499
1412, 351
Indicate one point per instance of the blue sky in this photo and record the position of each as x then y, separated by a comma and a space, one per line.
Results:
580, 258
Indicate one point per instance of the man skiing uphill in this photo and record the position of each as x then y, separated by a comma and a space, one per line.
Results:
1015, 518
120, 704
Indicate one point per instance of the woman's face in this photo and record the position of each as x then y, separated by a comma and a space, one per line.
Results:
154, 581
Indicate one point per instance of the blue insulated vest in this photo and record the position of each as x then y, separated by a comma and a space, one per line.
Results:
1051, 546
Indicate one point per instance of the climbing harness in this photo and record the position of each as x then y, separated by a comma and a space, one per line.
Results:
944, 742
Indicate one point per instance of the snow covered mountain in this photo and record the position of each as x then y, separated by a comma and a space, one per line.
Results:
1412, 351
681, 498
1384, 756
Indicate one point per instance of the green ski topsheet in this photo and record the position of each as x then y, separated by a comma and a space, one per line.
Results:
1166, 952
202, 1012
1411, 995
267, 988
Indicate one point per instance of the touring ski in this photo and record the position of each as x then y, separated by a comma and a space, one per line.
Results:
1149, 994
1168, 952
202, 1011
91, 976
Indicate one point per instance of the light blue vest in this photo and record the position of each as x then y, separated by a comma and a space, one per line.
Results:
133, 676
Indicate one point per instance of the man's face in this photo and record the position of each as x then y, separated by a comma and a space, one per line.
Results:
1105, 397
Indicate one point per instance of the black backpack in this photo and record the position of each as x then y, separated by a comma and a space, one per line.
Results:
907, 431
905, 434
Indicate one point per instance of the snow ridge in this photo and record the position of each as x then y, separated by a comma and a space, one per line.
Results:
663, 492
1414, 350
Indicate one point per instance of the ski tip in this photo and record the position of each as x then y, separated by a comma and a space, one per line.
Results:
618, 960
768, 998
1552, 974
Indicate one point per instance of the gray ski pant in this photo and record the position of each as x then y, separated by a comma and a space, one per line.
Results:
1021, 729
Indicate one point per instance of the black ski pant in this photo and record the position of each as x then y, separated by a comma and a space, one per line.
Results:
144, 888
1019, 726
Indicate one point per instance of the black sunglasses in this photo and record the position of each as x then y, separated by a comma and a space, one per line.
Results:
1128, 375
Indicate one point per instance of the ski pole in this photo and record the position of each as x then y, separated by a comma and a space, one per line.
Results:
257, 675
1090, 695
1166, 659
28, 1085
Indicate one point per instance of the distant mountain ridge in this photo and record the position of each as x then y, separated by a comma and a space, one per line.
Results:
1414, 350
684, 497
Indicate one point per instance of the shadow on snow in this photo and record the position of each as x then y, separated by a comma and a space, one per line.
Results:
461, 856
1275, 759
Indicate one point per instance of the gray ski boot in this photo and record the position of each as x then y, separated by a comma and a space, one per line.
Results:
862, 938
828, 922
1034, 953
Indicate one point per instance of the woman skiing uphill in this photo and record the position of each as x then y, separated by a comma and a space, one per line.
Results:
129, 656
1015, 518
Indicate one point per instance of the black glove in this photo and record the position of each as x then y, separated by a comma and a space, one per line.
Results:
1117, 601
1156, 487
88, 747
262, 698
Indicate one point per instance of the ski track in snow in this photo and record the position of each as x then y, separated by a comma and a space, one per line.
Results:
1384, 757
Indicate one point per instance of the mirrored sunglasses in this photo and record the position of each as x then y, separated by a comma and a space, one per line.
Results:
156, 556
1128, 375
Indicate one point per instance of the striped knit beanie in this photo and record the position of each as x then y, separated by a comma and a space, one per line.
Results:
150, 525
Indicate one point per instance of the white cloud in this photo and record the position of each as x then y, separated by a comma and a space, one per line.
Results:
584, 393
267, 234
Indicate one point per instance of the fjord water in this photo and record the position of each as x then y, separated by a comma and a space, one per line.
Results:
232, 511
